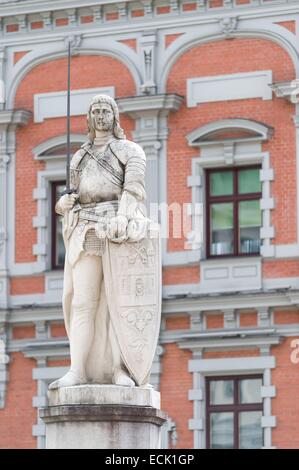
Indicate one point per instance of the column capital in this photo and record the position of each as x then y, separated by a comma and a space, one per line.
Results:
16, 117
159, 104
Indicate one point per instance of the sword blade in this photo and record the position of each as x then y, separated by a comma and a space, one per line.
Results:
68, 119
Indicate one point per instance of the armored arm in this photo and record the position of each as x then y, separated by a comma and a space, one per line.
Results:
67, 201
134, 180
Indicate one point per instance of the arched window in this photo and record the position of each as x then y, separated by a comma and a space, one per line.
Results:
51, 182
231, 196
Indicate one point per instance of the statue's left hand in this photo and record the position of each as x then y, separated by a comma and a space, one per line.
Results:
118, 227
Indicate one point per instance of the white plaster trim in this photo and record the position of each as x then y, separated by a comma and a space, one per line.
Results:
53, 105
244, 273
229, 87
55, 142
201, 368
240, 364
214, 157
53, 47
262, 131
247, 28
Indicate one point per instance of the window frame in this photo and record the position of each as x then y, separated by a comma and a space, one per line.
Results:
235, 407
54, 216
235, 199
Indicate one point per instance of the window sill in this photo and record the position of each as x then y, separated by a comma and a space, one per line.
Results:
231, 274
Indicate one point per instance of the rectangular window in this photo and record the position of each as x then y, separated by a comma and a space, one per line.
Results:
58, 251
234, 411
233, 212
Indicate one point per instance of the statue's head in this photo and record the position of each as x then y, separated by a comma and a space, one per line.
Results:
103, 115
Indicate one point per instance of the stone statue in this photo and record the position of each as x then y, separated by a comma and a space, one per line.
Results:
112, 274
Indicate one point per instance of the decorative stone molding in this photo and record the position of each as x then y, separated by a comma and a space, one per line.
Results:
122, 10
169, 435
72, 17
263, 316
47, 19
41, 329
200, 368
230, 274
287, 90
229, 316
75, 41
259, 132
156, 369
147, 46
97, 14
49, 105
238, 151
148, 7
43, 376
4, 360
2, 84
228, 25
196, 321
9, 120
234, 86
22, 22
150, 115
41, 149
42, 194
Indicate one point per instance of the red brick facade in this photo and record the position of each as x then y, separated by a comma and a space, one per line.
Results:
184, 279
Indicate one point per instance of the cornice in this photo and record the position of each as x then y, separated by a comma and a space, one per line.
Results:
136, 105
18, 117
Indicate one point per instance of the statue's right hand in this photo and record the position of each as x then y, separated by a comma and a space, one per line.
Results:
67, 202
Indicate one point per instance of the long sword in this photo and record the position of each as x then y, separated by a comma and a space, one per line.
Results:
68, 189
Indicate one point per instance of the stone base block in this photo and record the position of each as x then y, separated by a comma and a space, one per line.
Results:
103, 417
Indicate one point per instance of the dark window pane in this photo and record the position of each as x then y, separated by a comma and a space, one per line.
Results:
221, 392
249, 226
221, 183
250, 391
249, 181
222, 430
221, 225
250, 430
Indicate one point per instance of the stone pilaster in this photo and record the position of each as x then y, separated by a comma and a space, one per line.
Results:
147, 47
150, 114
9, 120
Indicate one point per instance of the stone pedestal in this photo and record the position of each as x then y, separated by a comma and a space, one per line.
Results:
103, 417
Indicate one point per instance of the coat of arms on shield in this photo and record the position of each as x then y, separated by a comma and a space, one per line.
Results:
133, 277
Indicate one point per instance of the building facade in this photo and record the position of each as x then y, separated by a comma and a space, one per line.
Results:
208, 88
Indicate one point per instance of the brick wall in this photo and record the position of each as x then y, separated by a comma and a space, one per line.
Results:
87, 72
285, 407
227, 57
18, 416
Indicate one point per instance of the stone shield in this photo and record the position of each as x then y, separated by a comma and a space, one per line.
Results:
132, 273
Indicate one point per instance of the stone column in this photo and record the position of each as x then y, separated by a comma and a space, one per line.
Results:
103, 417
151, 132
150, 114
9, 120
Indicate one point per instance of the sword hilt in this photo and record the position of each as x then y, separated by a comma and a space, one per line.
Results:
68, 191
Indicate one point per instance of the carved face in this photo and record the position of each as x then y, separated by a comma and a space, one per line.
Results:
102, 117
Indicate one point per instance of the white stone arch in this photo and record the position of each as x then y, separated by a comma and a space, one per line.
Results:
216, 152
269, 32
259, 130
54, 170
50, 52
49, 144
